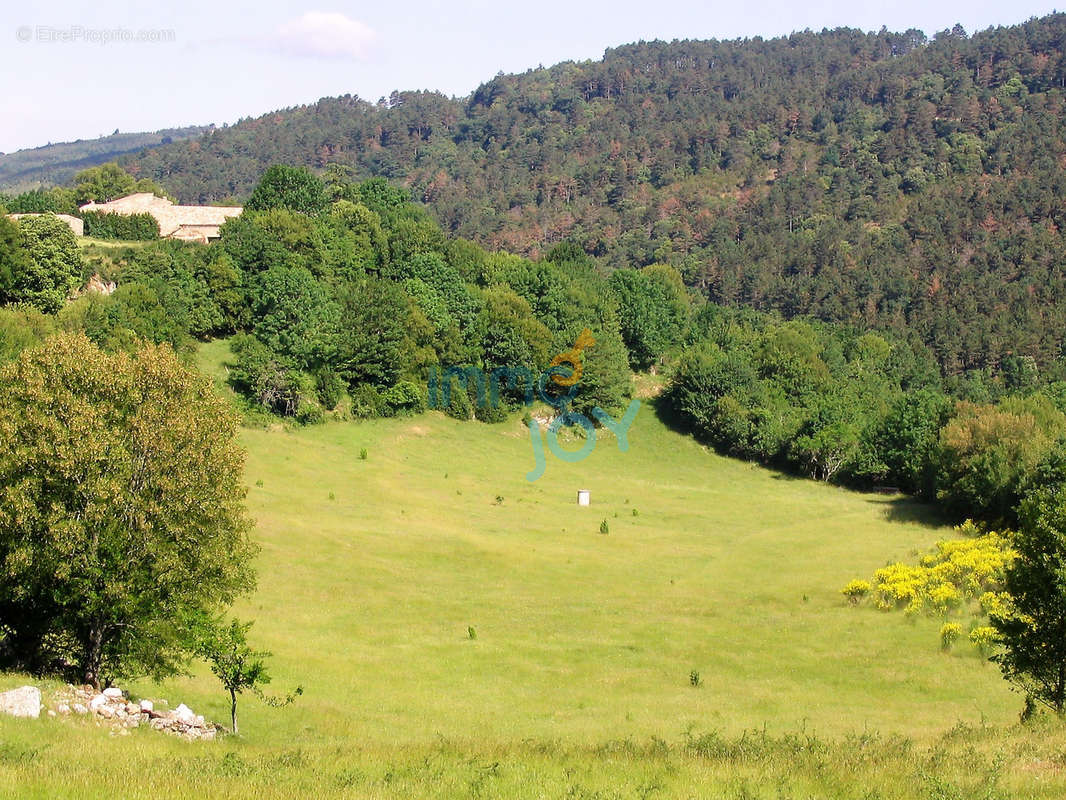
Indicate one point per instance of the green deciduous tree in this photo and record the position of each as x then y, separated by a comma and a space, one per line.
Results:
14, 258
57, 199
122, 517
293, 188
653, 310
295, 315
829, 438
110, 181
906, 440
357, 244
54, 265
988, 451
371, 344
1032, 633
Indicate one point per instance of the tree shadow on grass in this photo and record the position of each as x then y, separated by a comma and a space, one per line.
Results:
909, 510
779, 475
894, 507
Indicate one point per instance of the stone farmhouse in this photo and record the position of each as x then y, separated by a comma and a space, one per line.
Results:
75, 224
189, 223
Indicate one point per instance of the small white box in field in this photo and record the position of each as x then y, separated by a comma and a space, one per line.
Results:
584, 497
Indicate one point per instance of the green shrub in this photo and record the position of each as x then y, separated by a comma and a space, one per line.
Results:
604, 528
132, 227
367, 402
329, 386
403, 399
261, 376
459, 406
308, 410
22, 327
486, 412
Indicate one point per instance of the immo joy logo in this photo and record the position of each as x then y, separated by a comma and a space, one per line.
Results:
565, 373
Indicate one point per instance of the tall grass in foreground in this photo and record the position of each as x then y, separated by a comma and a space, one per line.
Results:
968, 762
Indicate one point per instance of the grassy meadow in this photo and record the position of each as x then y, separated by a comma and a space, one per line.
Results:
373, 573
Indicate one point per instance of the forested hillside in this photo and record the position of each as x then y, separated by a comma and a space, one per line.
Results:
57, 163
880, 179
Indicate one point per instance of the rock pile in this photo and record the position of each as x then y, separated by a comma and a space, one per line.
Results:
113, 707
99, 285
24, 702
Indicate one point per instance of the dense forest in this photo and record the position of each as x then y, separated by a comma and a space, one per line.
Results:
881, 179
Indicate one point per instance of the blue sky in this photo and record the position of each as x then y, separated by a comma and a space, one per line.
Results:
225, 61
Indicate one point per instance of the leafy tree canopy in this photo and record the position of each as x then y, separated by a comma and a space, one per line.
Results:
122, 519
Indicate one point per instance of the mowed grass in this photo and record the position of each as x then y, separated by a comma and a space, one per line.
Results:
373, 571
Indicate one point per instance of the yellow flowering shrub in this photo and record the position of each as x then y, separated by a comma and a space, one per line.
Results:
901, 585
856, 590
949, 633
984, 638
944, 596
955, 571
997, 603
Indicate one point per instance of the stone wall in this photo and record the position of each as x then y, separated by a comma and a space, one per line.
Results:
75, 224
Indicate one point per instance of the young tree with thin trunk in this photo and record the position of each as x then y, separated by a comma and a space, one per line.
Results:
237, 666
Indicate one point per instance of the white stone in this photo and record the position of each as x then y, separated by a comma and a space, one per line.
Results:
63, 708
184, 713
106, 712
147, 706
80, 709
113, 692
98, 702
24, 702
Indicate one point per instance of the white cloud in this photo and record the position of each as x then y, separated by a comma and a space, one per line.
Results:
322, 34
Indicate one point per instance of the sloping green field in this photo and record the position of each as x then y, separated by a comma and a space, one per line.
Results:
730, 570
372, 571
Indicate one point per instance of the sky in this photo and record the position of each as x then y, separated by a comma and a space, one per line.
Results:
79, 70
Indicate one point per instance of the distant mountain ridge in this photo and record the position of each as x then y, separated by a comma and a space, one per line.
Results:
57, 163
